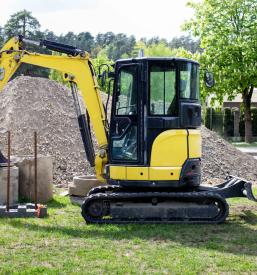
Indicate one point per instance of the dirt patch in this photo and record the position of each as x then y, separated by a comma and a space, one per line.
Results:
36, 104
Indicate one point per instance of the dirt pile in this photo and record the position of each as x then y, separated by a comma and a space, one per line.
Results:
35, 104
220, 158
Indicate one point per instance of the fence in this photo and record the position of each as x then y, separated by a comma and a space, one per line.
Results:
228, 122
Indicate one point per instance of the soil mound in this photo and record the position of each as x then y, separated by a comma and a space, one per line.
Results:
220, 158
36, 104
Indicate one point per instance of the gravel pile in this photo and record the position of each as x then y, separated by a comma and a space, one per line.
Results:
36, 104
220, 158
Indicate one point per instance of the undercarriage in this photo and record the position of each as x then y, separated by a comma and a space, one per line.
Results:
204, 204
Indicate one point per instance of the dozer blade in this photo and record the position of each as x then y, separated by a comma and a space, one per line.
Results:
231, 188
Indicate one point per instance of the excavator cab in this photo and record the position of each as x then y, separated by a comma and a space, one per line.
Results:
155, 99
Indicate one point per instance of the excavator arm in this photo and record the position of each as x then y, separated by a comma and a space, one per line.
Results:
77, 69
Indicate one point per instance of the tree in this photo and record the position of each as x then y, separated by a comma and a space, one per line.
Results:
69, 38
227, 29
186, 42
104, 39
122, 46
21, 22
85, 41
24, 23
1, 37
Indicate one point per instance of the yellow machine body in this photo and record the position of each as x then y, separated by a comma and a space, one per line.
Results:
170, 151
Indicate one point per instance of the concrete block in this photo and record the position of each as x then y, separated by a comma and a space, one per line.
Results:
82, 184
14, 186
27, 178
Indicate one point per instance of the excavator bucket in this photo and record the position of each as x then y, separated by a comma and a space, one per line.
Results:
231, 188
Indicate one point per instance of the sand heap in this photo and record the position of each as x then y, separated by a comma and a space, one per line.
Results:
36, 104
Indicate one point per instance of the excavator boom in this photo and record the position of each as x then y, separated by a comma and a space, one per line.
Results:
78, 70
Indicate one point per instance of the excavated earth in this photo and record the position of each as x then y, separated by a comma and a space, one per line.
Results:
35, 104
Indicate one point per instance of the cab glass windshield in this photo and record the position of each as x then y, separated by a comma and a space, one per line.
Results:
189, 81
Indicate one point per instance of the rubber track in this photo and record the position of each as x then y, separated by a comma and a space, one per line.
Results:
103, 189
192, 196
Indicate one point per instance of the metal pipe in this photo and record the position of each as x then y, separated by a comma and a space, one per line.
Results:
35, 167
31, 42
8, 172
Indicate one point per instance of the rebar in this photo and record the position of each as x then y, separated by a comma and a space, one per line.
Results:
35, 167
8, 172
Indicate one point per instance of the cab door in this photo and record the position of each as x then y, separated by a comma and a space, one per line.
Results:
125, 129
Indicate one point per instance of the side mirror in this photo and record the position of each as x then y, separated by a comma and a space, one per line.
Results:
209, 79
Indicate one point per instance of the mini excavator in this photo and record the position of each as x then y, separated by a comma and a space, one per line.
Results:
150, 150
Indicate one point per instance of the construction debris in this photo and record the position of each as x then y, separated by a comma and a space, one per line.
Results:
36, 104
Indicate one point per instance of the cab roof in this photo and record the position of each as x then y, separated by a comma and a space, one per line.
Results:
145, 59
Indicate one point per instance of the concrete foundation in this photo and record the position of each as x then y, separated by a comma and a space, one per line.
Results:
14, 186
27, 177
82, 184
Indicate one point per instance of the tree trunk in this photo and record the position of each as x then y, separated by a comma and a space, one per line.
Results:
24, 26
247, 96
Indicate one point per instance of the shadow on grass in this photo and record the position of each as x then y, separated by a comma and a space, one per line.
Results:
231, 237
249, 217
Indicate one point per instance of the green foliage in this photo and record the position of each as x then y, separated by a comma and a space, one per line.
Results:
102, 58
187, 43
228, 34
227, 29
24, 23
21, 22
1, 37
120, 46
160, 49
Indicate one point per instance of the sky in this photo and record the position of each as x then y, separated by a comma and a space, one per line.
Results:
142, 18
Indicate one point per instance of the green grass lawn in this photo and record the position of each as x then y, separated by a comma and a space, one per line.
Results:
64, 244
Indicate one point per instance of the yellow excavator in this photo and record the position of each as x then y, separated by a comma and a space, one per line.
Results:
150, 150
